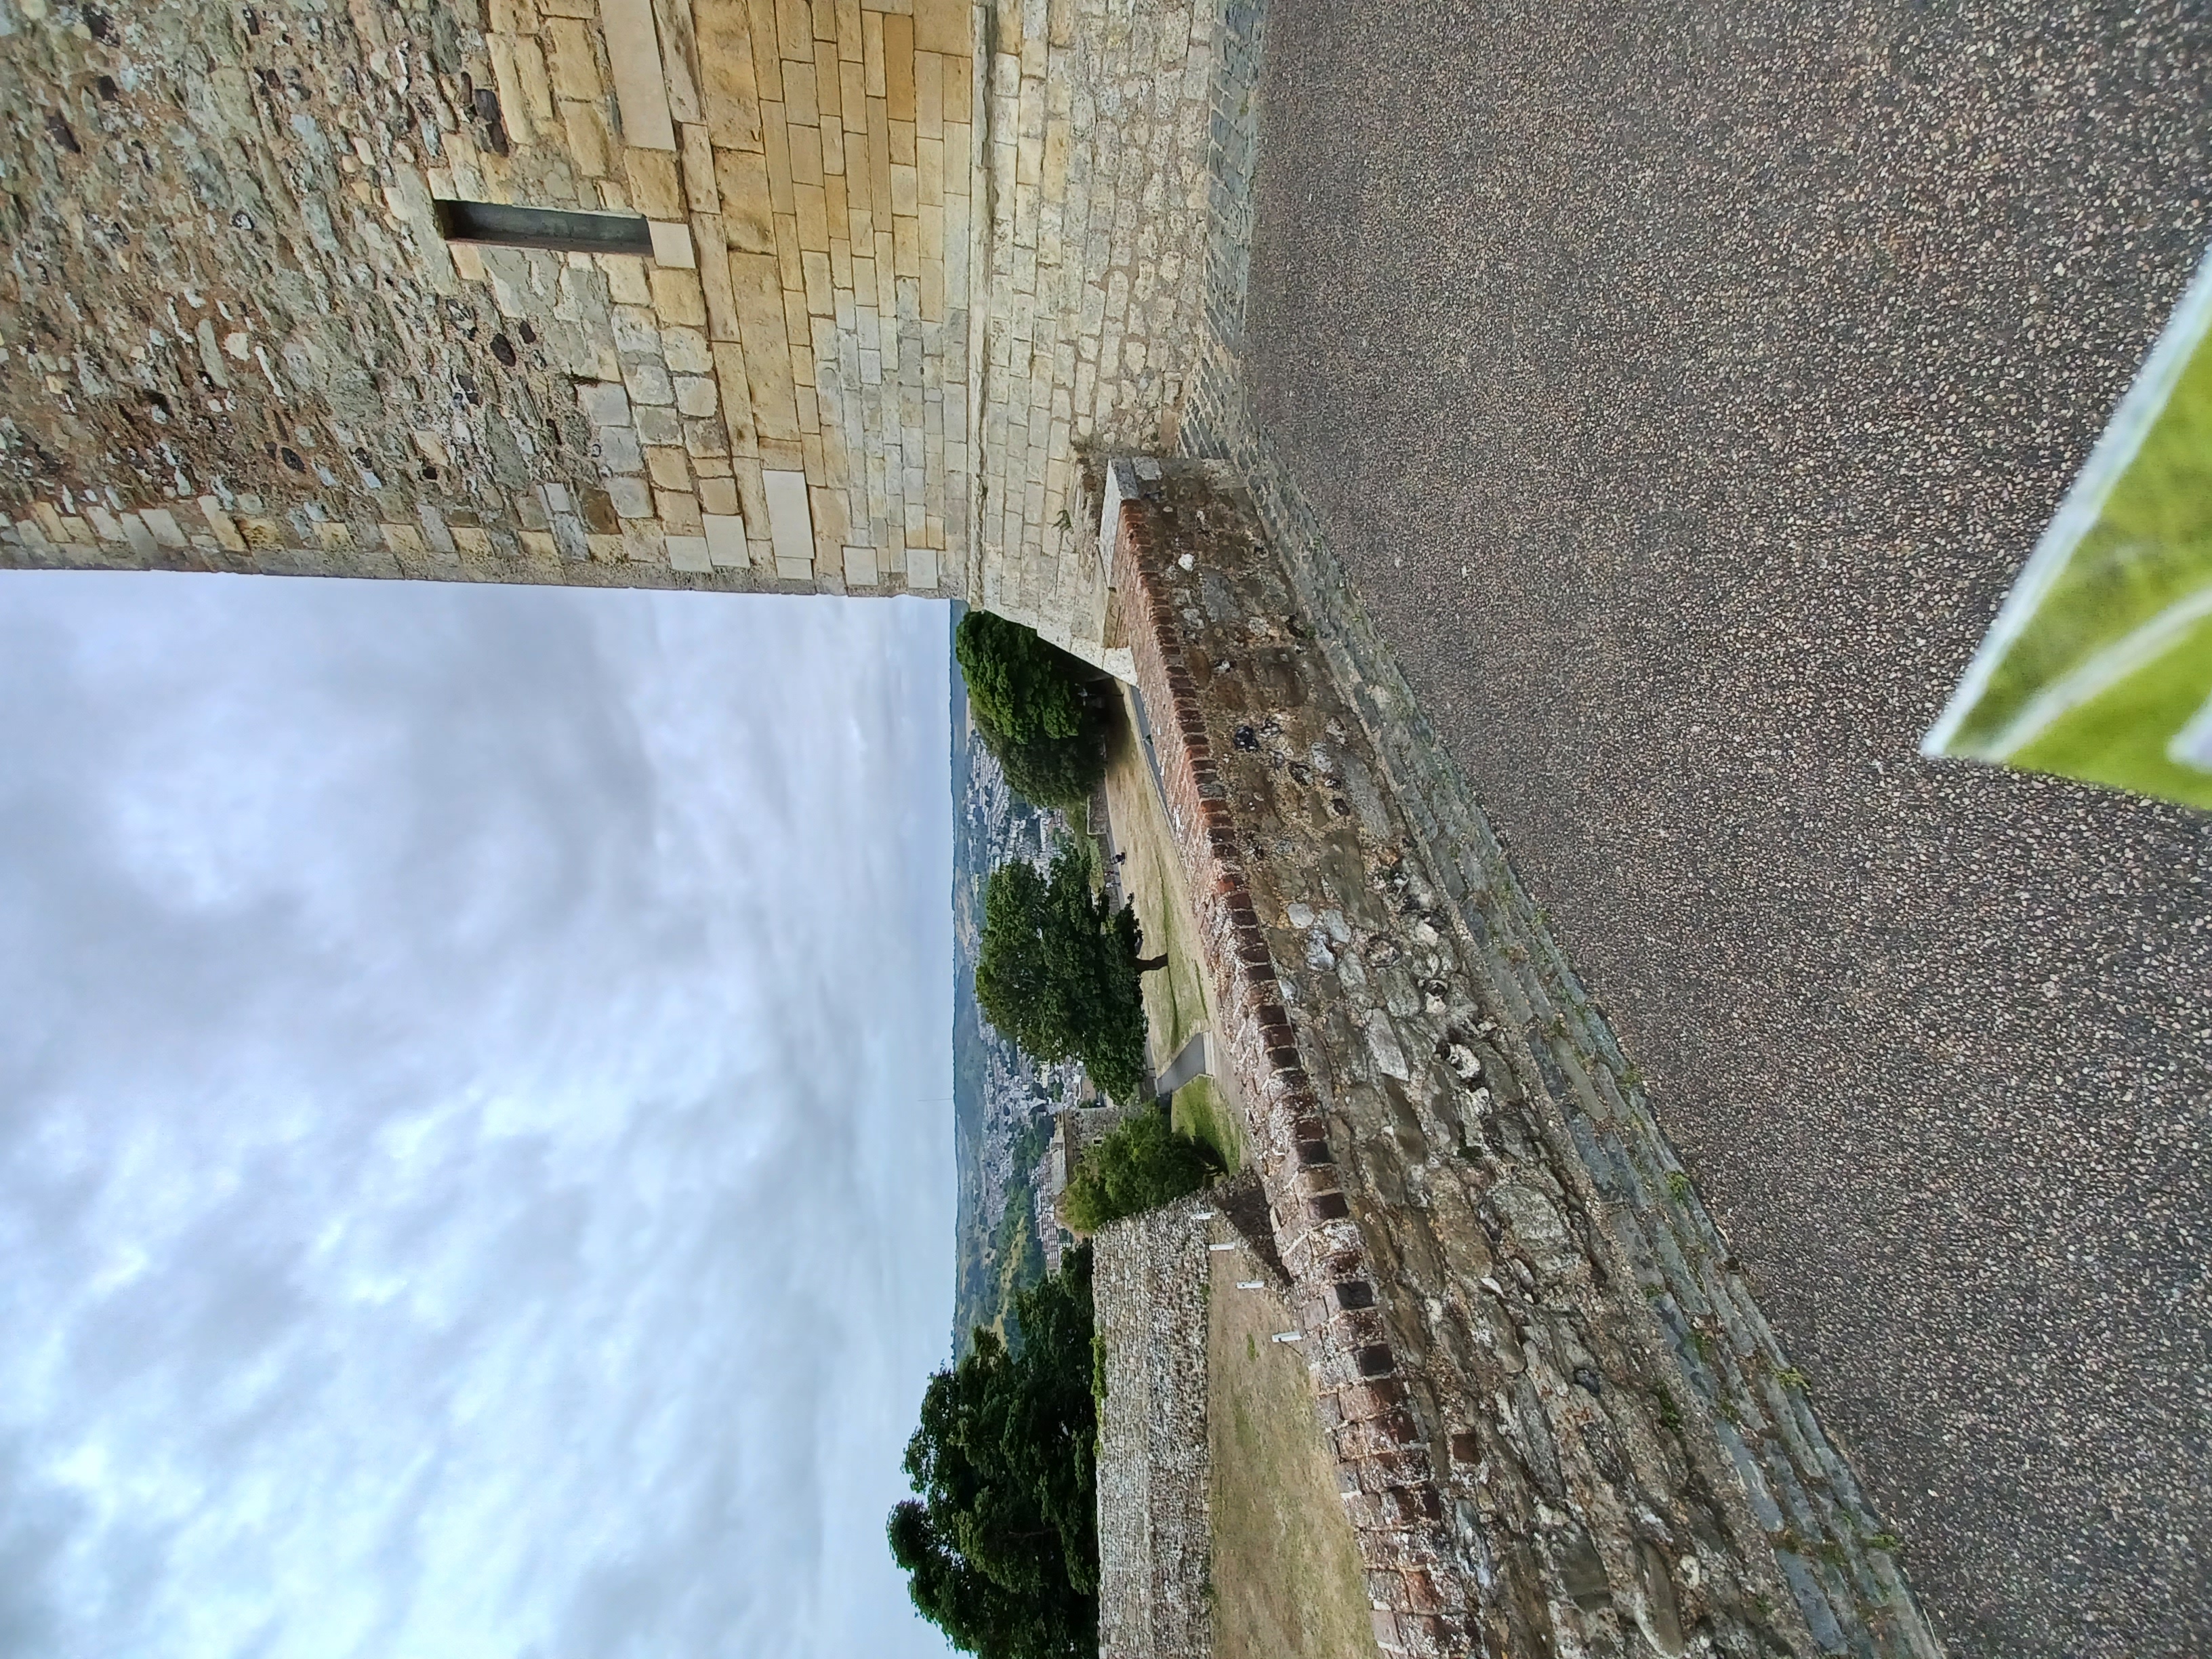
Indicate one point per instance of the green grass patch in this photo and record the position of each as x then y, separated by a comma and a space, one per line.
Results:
2099, 665
1285, 1570
1199, 1110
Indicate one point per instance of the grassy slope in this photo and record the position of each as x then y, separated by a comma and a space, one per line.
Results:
1286, 1577
1175, 1003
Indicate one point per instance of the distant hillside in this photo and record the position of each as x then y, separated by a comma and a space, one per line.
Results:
1001, 1102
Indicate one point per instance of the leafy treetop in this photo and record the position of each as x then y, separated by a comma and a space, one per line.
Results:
1057, 970
1002, 1550
1019, 685
1141, 1166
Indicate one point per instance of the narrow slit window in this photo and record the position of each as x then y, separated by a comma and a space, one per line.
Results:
561, 230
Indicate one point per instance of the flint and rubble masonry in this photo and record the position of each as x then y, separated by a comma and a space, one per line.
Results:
1561, 1425
1149, 1277
233, 337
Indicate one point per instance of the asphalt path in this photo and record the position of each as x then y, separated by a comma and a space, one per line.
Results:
1683, 388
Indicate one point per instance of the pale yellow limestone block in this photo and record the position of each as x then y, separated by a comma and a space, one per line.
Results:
830, 528
467, 261
717, 496
575, 67
640, 82
790, 522
828, 85
848, 30
820, 293
513, 112
775, 136
748, 218
473, 543
654, 189
726, 533
737, 396
901, 134
805, 149
852, 95
786, 254
959, 161
730, 91
832, 137
943, 25
921, 569
768, 67
626, 284
907, 245
711, 242
669, 467
678, 512
679, 59
685, 351
929, 173
859, 566
586, 131
928, 95
959, 89
879, 155
811, 224
898, 66
794, 30
698, 152
689, 552
758, 288
872, 52
677, 297
537, 85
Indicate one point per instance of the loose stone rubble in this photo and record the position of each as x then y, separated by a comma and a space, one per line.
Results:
1149, 1276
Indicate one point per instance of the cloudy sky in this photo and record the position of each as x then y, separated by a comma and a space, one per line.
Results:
475, 1172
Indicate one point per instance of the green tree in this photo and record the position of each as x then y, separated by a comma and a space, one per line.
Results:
1141, 1166
1019, 685
1051, 771
1001, 1549
1036, 709
1057, 969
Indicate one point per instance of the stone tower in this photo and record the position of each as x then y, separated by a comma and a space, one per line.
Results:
790, 295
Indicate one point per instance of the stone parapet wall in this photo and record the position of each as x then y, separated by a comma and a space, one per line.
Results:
1149, 1279
1562, 1427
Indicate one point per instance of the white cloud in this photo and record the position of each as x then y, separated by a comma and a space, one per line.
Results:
473, 1158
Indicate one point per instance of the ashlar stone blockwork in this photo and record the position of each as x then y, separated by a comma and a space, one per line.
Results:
906, 258
236, 337
1561, 1425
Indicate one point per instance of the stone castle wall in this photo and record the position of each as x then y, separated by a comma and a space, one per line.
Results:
1560, 1423
907, 258
236, 338
1149, 1279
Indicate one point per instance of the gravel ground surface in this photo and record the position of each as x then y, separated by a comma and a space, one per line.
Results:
1684, 388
